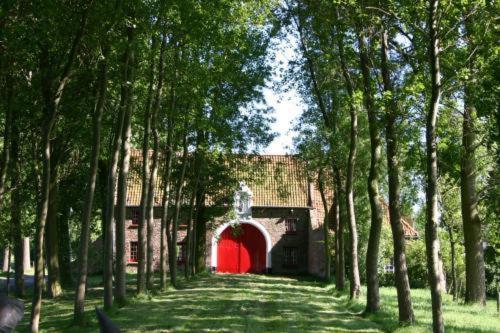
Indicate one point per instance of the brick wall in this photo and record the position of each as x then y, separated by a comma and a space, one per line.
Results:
307, 240
131, 235
273, 220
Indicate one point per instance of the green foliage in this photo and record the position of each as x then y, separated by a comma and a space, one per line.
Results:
416, 263
415, 260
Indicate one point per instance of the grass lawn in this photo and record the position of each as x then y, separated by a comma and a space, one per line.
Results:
220, 303
458, 317
259, 303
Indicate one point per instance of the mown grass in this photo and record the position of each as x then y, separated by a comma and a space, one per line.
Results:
458, 317
259, 303
219, 303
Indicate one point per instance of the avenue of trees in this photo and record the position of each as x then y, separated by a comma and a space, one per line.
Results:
401, 107
402, 100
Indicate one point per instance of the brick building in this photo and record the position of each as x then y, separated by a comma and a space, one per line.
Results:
276, 226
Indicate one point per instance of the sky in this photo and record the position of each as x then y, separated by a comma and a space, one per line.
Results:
287, 109
287, 105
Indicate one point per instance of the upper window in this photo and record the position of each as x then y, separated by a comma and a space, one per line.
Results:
135, 216
291, 225
134, 252
289, 257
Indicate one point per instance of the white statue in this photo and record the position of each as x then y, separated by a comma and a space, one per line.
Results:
243, 200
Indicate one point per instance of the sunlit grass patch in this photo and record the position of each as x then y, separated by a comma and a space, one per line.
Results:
458, 317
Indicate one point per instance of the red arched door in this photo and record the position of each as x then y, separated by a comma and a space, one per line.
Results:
241, 250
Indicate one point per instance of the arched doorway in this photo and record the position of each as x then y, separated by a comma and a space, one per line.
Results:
241, 248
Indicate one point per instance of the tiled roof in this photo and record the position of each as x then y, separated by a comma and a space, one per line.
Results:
134, 181
409, 230
275, 180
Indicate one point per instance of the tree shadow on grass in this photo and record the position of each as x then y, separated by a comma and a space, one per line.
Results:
458, 318
244, 303
222, 303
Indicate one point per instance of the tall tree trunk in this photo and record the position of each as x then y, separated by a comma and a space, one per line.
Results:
15, 210
121, 211
154, 168
143, 222
52, 101
65, 246
372, 294
150, 208
355, 284
41, 221
194, 242
431, 226
178, 204
475, 283
326, 226
52, 233
165, 205
121, 260
405, 307
8, 257
200, 230
189, 237
5, 157
112, 171
339, 237
192, 202
454, 289
102, 81
5, 258
26, 254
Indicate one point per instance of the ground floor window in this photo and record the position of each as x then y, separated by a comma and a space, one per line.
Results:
389, 267
289, 257
181, 252
134, 248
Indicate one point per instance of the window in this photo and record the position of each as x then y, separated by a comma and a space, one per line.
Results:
181, 252
289, 257
135, 216
134, 254
291, 226
389, 267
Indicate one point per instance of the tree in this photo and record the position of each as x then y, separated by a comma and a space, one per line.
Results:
402, 283
372, 294
475, 289
128, 63
154, 168
52, 98
177, 208
431, 225
143, 235
97, 114
15, 208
